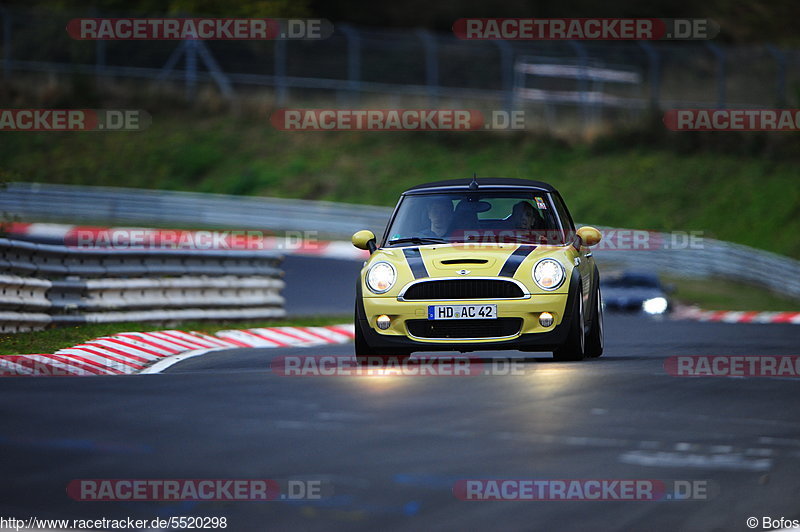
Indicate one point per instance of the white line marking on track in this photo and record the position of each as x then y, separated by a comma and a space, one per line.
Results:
736, 462
167, 362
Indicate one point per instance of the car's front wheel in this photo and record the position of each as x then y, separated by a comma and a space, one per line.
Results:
594, 340
369, 356
574, 348
365, 355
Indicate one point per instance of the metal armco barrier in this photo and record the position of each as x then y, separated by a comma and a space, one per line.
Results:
711, 259
42, 284
117, 206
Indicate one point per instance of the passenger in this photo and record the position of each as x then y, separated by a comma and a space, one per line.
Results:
522, 216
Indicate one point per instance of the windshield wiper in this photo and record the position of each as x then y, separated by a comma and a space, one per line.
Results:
418, 240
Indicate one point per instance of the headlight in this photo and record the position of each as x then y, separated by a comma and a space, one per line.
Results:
656, 305
381, 277
548, 274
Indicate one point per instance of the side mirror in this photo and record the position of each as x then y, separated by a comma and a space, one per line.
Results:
589, 235
364, 239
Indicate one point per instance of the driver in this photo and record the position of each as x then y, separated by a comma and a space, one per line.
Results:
440, 214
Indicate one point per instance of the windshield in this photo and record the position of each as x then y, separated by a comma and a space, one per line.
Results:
479, 217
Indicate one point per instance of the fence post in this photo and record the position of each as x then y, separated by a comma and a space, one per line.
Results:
353, 60
720, 55
6, 43
214, 69
780, 81
191, 68
99, 52
507, 72
583, 81
100, 59
281, 91
431, 66
654, 67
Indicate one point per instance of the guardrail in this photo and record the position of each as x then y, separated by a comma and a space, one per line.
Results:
115, 206
42, 284
711, 259
107, 205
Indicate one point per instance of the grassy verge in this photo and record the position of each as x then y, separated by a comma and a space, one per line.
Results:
721, 294
51, 340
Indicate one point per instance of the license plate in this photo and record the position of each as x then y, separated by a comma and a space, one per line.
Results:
462, 312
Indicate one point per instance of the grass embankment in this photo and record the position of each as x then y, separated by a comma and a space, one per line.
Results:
736, 187
51, 340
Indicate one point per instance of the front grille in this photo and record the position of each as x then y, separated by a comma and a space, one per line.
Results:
464, 328
464, 289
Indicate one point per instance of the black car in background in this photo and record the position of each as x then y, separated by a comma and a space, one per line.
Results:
636, 292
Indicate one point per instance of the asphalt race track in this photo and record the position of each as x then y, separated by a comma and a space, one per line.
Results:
392, 447
317, 286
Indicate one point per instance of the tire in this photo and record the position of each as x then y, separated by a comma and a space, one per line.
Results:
595, 339
574, 348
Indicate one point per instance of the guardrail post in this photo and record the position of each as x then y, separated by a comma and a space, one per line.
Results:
431, 66
780, 82
281, 90
507, 72
6, 43
654, 67
719, 54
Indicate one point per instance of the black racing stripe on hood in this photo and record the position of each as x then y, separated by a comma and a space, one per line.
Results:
514, 260
414, 259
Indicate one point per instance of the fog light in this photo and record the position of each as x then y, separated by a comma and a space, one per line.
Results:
383, 322
545, 319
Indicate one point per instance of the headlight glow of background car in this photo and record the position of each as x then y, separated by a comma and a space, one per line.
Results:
656, 305
548, 274
381, 277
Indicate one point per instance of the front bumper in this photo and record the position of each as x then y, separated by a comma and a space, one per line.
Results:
532, 336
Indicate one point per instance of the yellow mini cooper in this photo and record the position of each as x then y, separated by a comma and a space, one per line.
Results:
480, 264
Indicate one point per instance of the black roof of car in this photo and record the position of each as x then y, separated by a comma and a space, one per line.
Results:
483, 183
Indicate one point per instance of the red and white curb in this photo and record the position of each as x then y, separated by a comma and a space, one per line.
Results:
735, 316
152, 352
126, 237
